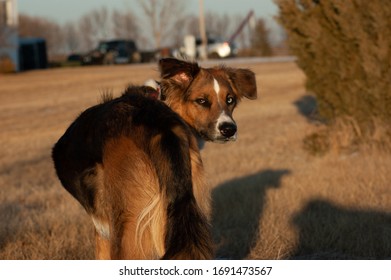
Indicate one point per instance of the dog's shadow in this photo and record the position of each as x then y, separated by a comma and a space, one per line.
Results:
237, 206
330, 231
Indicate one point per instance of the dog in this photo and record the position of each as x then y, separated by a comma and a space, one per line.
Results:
133, 162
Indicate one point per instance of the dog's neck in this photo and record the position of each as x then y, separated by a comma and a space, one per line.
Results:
160, 96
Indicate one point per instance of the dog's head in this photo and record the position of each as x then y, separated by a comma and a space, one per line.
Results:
206, 97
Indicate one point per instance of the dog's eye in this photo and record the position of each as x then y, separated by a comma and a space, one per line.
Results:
230, 100
202, 102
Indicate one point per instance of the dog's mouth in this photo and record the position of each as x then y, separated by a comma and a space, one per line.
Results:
222, 139
217, 137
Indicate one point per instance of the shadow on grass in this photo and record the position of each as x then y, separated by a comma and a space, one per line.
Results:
237, 207
327, 231
308, 107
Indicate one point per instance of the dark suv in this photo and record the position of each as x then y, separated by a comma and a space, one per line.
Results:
113, 52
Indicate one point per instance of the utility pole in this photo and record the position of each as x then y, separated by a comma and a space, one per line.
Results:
204, 40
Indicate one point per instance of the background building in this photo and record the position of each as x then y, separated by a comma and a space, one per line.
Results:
9, 42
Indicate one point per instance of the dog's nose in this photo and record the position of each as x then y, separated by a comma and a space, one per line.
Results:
227, 129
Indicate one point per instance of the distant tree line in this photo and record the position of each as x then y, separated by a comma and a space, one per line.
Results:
153, 29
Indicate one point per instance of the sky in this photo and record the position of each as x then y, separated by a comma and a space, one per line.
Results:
63, 11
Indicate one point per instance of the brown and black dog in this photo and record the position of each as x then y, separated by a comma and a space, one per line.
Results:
134, 164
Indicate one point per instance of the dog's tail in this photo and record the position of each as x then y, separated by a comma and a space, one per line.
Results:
187, 229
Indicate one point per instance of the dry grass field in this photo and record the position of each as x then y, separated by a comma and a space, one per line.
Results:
271, 199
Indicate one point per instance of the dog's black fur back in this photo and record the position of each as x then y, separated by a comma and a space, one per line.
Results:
81, 148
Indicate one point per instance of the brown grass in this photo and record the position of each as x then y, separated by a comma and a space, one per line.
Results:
271, 199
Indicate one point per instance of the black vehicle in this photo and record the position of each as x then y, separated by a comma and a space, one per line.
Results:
113, 52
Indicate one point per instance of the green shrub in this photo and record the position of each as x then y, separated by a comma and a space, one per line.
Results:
344, 48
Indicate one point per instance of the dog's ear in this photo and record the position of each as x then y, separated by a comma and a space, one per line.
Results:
179, 71
243, 81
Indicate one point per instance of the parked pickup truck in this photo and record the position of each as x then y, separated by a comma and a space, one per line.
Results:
113, 52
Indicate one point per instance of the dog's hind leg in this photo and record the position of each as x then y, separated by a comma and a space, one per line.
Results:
187, 229
102, 247
137, 218
102, 239
123, 243
135, 239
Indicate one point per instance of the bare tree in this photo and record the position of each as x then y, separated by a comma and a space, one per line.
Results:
193, 26
260, 39
179, 34
99, 25
218, 25
85, 26
221, 25
101, 20
163, 18
95, 26
125, 24
71, 38
43, 28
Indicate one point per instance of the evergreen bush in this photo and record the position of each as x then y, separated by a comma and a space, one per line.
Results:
344, 48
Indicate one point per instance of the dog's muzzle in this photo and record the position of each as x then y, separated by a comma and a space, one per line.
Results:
228, 130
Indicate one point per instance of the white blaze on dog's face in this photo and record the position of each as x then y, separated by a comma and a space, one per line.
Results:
206, 98
212, 101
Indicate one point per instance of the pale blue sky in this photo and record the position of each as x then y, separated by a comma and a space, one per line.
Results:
63, 11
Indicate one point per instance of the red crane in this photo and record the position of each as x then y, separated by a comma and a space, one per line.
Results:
241, 26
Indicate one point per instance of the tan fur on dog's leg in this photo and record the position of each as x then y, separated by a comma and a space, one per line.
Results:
102, 249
